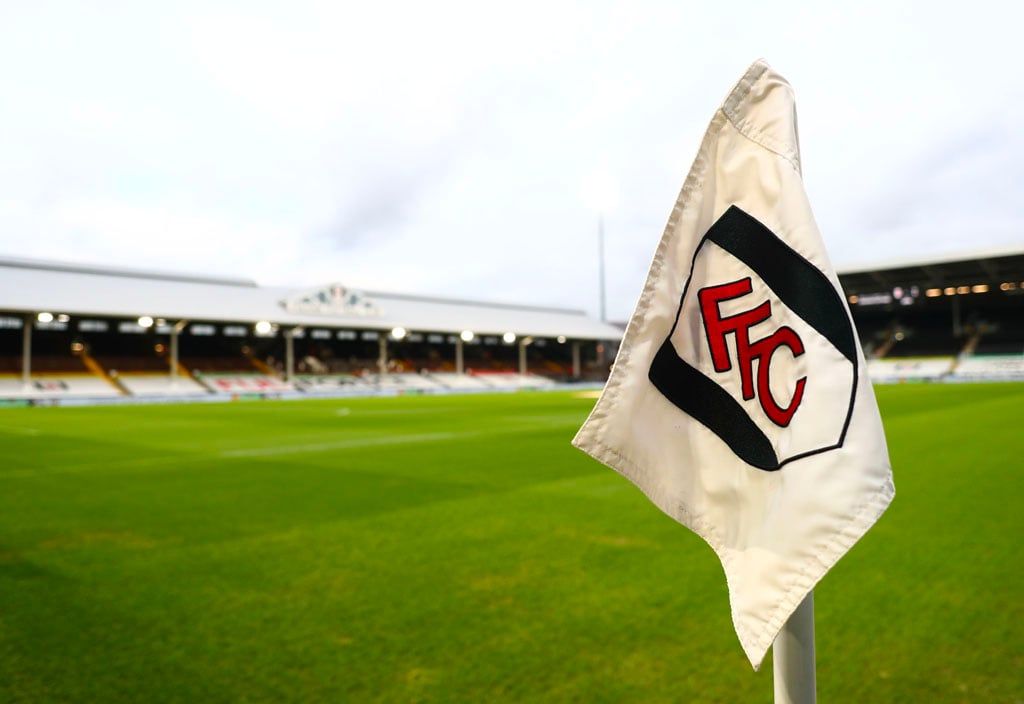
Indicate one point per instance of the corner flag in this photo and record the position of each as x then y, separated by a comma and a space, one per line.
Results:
738, 402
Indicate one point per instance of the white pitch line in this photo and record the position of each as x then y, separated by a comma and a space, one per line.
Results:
340, 445
21, 431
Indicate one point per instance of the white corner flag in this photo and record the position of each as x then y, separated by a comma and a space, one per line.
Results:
738, 402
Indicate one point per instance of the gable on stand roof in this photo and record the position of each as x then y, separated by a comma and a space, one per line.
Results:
333, 299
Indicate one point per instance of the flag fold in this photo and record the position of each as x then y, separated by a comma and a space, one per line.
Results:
738, 401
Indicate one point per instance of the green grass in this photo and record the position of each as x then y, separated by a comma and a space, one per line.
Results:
430, 549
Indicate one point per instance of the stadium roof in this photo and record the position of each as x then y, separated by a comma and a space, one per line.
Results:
993, 267
31, 286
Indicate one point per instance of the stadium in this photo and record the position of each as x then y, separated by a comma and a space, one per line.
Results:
72, 333
78, 333
382, 525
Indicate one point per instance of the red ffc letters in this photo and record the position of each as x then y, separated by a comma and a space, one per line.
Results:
717, 326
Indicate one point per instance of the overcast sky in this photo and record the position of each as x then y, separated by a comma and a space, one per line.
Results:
448, 148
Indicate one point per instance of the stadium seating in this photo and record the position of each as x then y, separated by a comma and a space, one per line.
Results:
990, 368
401, 382
132, 363
909, 369
217, 365
233, 384
514, 380
54, 387
329, 383
466, 382
160, 385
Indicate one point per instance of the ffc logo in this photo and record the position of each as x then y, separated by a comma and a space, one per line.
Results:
717, 327
731, 326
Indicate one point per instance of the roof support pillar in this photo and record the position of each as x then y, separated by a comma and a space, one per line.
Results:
459, 366
576, 359
382, 357
522, 355
26, 351
175, 332
289, 354
957, 330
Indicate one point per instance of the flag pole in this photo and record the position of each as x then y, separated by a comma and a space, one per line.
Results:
793, 657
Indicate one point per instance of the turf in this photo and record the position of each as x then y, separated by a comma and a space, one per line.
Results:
429, 549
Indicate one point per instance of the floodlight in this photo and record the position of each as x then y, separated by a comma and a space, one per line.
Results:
45, 317
561, 339
509, 338
399, 332
263, 327
145, 321
467, 335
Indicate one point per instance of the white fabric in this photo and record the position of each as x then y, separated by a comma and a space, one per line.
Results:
776, 532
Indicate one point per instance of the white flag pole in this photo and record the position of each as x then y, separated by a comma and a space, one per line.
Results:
793, 657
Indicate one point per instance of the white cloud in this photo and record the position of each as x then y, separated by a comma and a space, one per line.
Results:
443, 147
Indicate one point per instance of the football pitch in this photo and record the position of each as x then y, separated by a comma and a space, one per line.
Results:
458, 549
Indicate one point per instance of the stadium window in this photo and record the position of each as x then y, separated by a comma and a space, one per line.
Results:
7, 323
949, 291
979, 288
963, 289
163, 328
933, 292
346, 335
235, 331
490, 340
370, 335
130, 327
415, 337
436, 339
201, 329
93, 326
320, 334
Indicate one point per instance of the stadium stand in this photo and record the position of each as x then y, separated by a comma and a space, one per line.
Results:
460, 382
909, 369
95, 332
236, 384
940, 319
160, 385
990, 368
514, 380
65, 386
